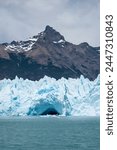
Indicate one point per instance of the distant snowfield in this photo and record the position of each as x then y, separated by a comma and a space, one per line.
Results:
72, 97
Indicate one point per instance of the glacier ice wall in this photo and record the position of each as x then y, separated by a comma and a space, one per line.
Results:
75, 97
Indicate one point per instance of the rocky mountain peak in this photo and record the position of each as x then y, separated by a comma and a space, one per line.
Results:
47, 53
52, 35
49, 29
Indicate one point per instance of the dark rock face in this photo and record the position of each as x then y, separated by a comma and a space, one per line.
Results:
48, 54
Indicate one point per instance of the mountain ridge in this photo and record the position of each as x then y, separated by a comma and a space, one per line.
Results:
48, 53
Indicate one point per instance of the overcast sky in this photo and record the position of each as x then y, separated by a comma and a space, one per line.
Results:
77, 20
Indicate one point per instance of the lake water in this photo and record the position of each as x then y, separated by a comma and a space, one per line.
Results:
50, 133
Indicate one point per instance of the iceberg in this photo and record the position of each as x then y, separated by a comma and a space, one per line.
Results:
48, 96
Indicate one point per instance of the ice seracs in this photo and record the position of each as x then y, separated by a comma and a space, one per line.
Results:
73, 97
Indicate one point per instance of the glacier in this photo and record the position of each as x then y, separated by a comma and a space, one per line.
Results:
65, 97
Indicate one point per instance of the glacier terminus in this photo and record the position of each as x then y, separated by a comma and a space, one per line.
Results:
48, 96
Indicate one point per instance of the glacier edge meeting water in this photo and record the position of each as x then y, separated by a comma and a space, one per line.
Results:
48, 96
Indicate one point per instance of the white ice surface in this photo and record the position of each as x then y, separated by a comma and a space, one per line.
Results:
75, 97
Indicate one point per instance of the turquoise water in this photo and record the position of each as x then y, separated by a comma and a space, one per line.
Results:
50, 133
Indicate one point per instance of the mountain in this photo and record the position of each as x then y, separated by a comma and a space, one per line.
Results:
48, 53
72, 97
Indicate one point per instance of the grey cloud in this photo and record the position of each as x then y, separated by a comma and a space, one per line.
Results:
77, 20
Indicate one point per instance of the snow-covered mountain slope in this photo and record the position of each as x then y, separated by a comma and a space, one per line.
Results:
75, 97
21, 46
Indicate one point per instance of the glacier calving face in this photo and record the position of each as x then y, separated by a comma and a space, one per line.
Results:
75, 97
